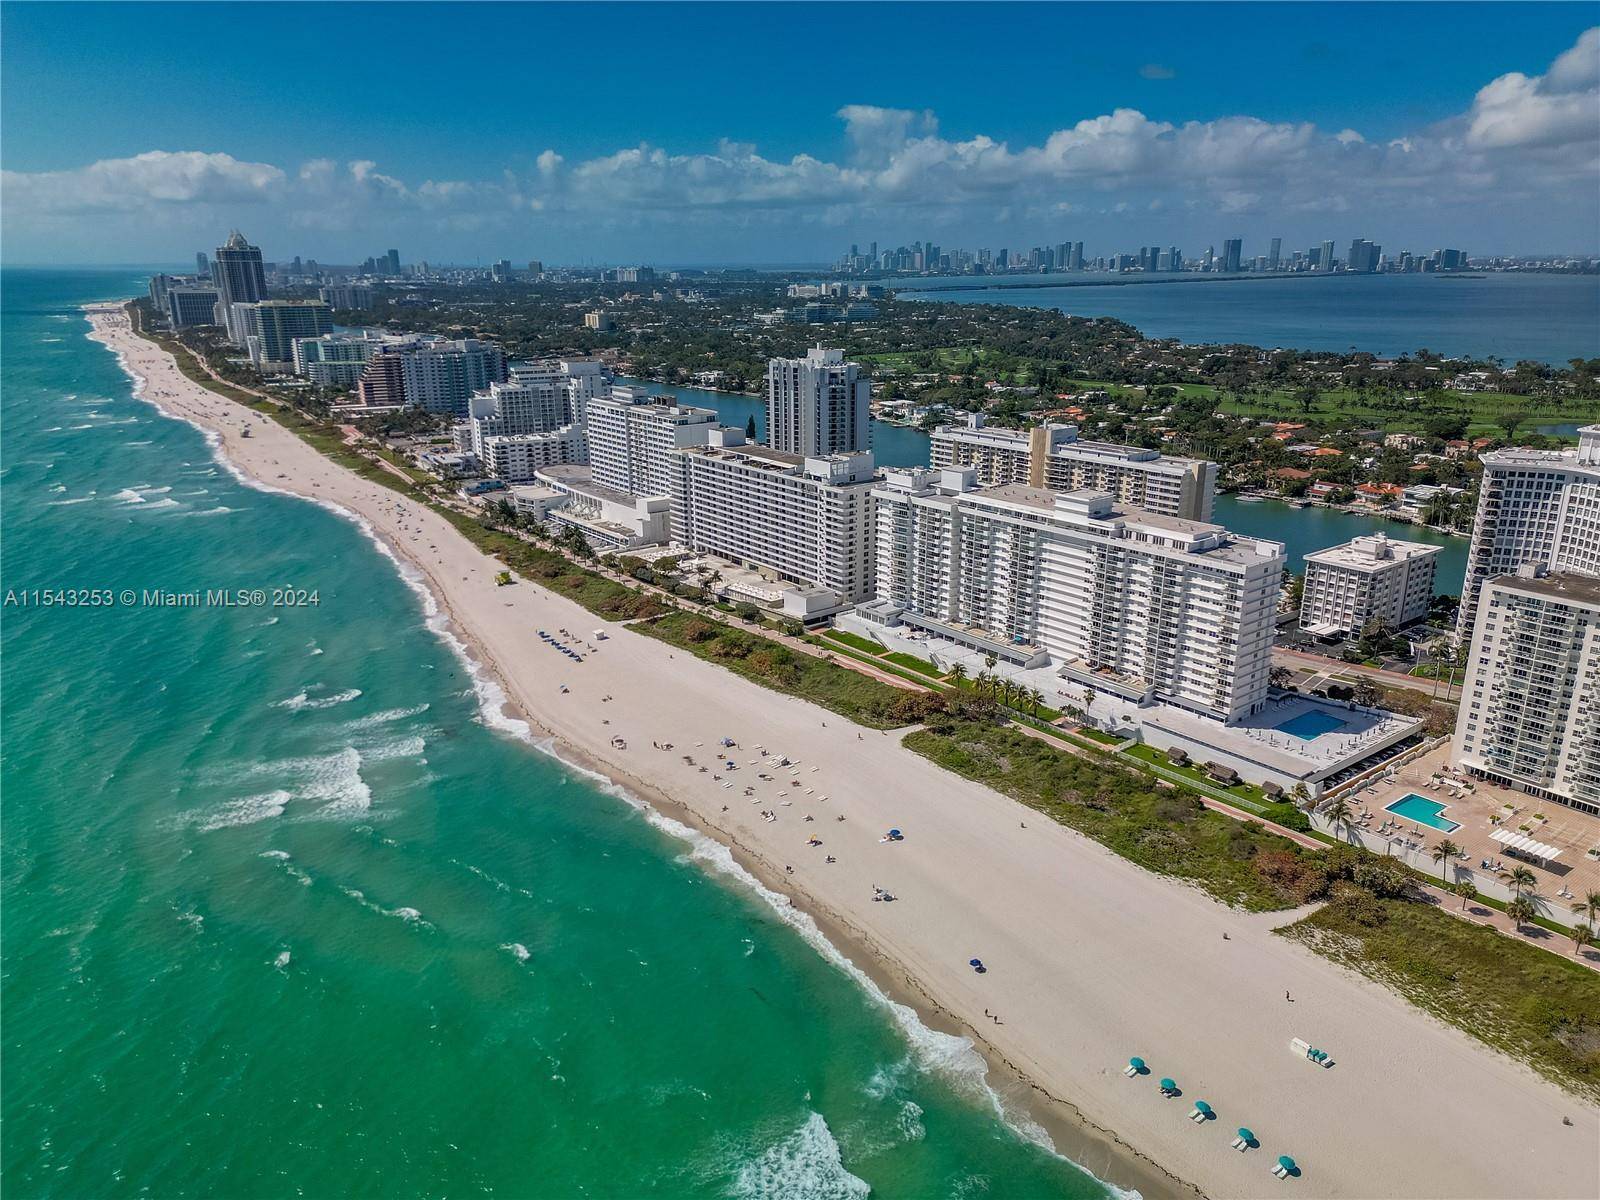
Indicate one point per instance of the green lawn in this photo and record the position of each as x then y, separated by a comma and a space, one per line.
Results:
850, 639
920, 665
1534, 1005
1101, 736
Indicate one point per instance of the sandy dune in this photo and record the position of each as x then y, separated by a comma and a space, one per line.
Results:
1090, 959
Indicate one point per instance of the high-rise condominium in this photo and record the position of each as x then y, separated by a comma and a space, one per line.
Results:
1537, 507
1137, 604
1232, 249
818, 405
240, 279
1530, 707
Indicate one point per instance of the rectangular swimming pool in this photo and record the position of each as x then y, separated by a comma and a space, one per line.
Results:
1310, 724
1423, 811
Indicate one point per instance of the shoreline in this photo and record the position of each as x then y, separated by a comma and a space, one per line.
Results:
1094, 959
1068, 1133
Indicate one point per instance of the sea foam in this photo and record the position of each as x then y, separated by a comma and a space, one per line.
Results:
805, 1165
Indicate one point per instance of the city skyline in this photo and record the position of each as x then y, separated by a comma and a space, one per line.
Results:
1479, 147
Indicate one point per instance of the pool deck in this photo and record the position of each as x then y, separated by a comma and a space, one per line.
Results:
1572, 831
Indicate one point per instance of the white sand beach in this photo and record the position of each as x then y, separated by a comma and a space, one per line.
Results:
1090, 959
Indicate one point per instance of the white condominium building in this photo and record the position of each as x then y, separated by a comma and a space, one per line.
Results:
1537, 507
1530, 707
808, 520
632, 435
1365, 579
1052, 457
432, 373
336, 359
818, 404
1137, 604
532, 421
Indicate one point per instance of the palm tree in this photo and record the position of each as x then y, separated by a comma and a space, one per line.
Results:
1521, 911
1035, 699
1465, 890
1519, 878
1443, 853
1589, 909
1338, 814
1582, 936
958, 673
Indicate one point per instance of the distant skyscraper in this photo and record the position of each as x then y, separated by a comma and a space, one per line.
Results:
241, 279
1063, 255
1275, 255
1363, 257
1325, 259
202, 265
818, 404
1231, 251
392, 259
1175, 259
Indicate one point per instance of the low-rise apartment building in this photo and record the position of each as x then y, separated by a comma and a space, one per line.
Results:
1367, 578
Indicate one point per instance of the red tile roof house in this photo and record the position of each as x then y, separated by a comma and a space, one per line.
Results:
1379, 493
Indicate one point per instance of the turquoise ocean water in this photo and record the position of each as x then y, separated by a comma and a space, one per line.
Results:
285, 915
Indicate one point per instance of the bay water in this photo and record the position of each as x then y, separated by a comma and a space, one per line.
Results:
1509, 315
290, 910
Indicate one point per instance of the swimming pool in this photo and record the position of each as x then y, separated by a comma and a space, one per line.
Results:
1312, 723
1423, 811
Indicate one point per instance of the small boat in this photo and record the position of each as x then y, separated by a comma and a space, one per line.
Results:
1249, 499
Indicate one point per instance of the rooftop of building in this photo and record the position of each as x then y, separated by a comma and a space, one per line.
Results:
1373, 552
577, 478
1201, 537
1558, 585
1063, 440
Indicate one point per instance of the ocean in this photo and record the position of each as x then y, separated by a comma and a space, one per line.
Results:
290, 911
1546, 318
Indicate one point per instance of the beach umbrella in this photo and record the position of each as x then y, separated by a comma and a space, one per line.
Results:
1202, 1107
894, 833
1286, 1162
1136, 1063
1168, 1086
1246, 1134
974, 962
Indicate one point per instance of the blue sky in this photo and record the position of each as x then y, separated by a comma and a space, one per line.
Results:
781, 132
